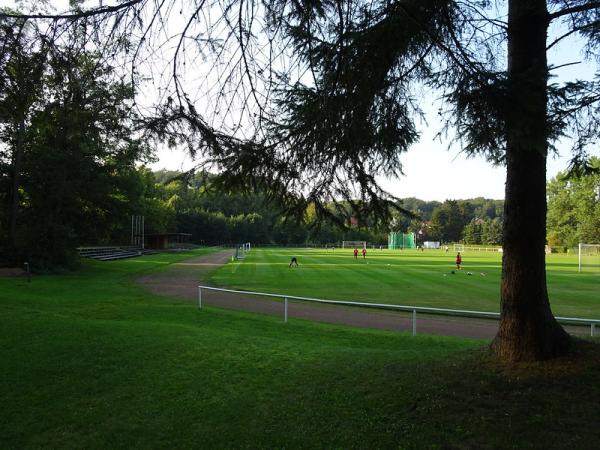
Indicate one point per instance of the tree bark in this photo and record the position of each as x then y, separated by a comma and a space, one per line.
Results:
528, 330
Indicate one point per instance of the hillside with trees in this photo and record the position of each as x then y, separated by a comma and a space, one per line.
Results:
193, 205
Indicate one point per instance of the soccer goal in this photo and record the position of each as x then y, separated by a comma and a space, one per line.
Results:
354, 244
459, 247
589, 257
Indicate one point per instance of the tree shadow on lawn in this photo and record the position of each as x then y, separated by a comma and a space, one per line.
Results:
467, 401
482, 403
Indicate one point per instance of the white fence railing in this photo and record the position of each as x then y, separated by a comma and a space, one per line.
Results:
414, 309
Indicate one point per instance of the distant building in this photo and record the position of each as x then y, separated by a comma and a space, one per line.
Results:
163, 241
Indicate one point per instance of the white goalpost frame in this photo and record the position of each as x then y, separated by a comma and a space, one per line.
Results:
459, 247
580, 252
354, 244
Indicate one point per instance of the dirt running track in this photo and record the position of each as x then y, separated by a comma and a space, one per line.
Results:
181, 280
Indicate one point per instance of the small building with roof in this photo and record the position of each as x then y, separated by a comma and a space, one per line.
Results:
165, 241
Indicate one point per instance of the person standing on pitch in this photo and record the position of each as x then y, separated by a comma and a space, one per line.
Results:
355, 253
458, 261
364, 252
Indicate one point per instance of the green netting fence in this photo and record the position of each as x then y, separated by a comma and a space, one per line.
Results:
401, 240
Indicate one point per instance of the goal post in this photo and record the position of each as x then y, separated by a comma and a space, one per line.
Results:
459, 247
354, 244
588, 257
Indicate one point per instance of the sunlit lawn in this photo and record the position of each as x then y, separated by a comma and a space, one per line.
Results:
406, 277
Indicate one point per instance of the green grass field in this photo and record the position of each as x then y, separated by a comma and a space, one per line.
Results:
90, 360
406, 277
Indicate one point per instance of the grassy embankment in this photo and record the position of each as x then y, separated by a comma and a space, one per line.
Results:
89, 360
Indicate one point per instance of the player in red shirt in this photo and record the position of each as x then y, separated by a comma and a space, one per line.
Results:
364, 252
458, 261
355, 253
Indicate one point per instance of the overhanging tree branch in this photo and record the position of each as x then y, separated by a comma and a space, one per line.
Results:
573, 10
573, 31
71, 16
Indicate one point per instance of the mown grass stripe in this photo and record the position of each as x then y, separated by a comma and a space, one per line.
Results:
406, 277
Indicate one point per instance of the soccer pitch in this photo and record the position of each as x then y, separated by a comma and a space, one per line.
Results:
405, 277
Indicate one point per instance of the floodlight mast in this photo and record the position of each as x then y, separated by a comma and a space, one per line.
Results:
138, 234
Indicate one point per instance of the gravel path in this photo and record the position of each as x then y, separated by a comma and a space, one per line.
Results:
181, 280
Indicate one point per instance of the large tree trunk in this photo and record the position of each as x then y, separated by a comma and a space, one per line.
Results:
528, 330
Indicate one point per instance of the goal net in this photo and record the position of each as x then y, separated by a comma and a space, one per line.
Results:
354, 244
459, 247
589, 258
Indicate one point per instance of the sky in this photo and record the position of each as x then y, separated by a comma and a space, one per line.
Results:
433, 170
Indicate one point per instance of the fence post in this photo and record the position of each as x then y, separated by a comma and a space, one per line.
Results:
414, 322
199, 297
592, 328
285, 310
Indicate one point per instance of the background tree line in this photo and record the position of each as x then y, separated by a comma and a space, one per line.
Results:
192, 203
574, 208
102, 194
472, 221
